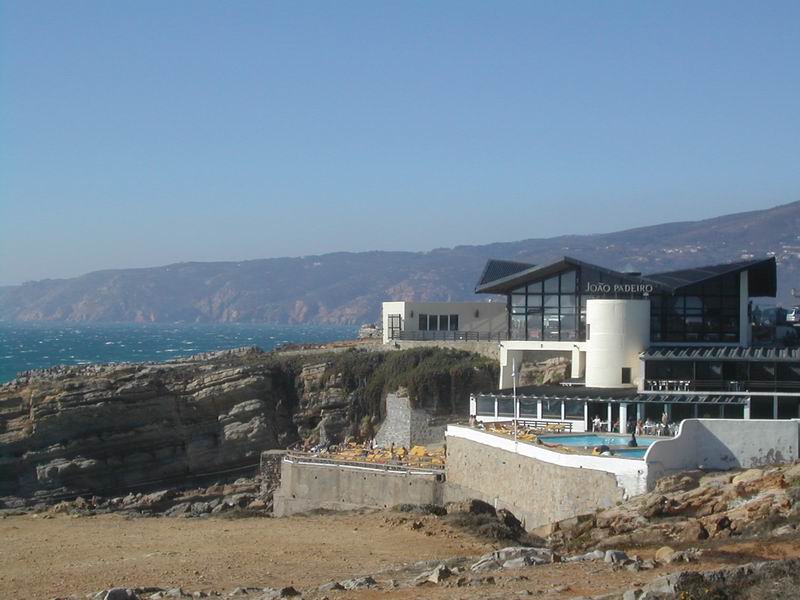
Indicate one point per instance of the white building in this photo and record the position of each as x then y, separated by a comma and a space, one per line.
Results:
443, 321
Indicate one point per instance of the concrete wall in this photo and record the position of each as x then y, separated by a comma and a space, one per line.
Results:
488, 349
721, 444
492, 316
532, 351
307, 486
536, 484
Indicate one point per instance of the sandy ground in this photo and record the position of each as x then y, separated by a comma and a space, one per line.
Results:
59, 556
45, 558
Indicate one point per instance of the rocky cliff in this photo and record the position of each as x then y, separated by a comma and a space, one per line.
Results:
111, 429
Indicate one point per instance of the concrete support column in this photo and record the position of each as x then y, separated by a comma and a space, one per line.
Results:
586, 424
495, 407
774, 407
508, 358
640, 411
610, 417
539, 410
695, 411
747, 409
577, 367
563, 410
623, 417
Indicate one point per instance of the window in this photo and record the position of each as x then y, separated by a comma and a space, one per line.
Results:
443, 324
453, 322
433, 322
551, 309
423, 322
626, 374
707, 312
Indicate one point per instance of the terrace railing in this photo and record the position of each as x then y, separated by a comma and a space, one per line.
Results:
718, 385
449, 336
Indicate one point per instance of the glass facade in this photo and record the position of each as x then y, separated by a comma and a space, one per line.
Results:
731, 375
708, 312
549, 309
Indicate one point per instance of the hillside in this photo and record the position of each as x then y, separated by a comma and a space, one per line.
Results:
349, 287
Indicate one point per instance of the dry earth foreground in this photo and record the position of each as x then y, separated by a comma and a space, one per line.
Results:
698, 536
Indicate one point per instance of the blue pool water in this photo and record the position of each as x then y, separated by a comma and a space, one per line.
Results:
592, 440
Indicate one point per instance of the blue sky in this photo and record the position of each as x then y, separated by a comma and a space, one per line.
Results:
143, 133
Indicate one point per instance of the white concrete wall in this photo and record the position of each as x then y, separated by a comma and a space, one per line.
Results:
619, 330
492, 316
721, 444
631, 474
514, 351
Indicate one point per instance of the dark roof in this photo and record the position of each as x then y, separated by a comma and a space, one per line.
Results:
762, 276
500, 277
616, 395
503, 285
721, 353
498, 269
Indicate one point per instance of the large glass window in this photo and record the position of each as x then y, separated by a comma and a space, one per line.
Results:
708, 312
548, 309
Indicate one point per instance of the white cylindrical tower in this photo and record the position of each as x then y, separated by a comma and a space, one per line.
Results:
617, 332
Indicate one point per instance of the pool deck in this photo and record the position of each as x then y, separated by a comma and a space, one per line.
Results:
535, 439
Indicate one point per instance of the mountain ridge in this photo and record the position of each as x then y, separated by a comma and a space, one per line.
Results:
348, 287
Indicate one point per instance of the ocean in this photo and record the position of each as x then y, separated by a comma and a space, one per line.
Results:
25, 346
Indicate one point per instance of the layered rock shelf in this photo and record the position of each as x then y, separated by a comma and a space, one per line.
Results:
108, 429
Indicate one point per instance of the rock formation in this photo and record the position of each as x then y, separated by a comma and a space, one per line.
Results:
107, 430
122, 427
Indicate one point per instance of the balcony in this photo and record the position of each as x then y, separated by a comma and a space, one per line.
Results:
448, 336
718, 385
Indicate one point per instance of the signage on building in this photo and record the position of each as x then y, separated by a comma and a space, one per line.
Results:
601, 287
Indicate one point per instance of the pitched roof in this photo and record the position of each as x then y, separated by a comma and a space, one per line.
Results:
762, 283
504, 284
498, 269
500, 276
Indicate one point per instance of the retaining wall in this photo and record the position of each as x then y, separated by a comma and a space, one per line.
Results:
722, 444
307, 486
538, 485
487, 349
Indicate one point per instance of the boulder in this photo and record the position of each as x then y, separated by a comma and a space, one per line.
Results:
692, 531
664, 554
748, 476
359, 583
615, 557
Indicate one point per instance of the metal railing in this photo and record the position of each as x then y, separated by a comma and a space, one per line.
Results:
400, 467
719, 385
448, 336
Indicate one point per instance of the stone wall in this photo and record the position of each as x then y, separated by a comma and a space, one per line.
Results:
535, 491
406, 426
308, 486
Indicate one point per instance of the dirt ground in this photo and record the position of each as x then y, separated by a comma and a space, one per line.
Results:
59, 556
45, 558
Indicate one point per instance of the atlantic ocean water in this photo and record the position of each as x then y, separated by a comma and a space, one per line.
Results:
25, 346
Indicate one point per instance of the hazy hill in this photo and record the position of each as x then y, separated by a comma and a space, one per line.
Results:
349, 287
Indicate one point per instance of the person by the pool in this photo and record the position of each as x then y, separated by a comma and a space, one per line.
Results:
632, 443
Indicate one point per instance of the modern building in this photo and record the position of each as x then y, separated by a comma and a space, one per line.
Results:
444, 321
676, 342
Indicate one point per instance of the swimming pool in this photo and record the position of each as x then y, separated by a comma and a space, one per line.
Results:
592, 440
